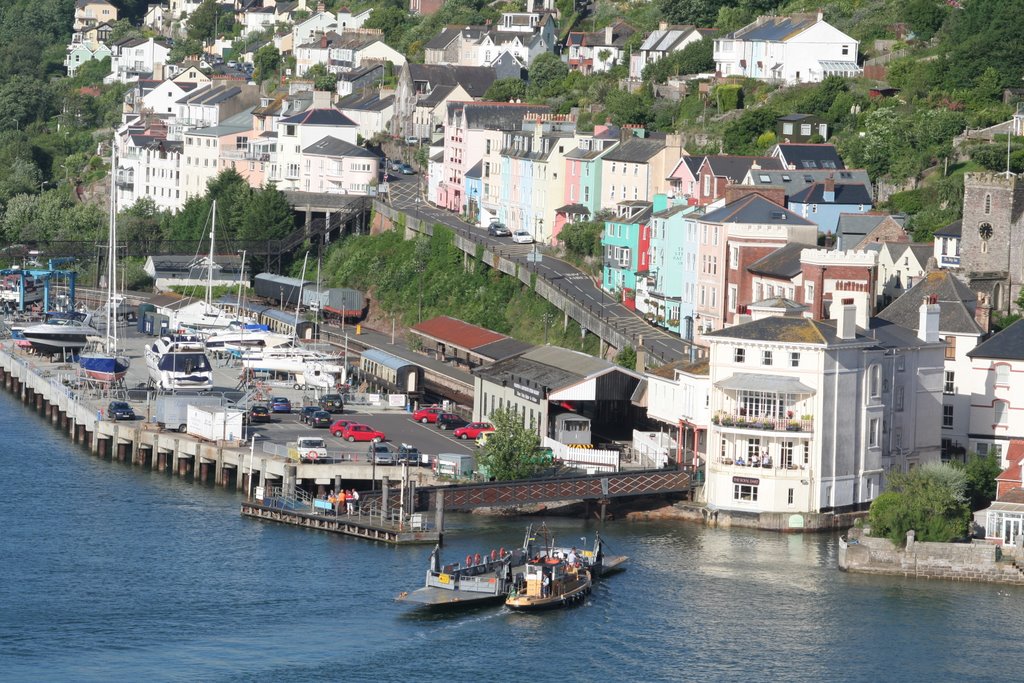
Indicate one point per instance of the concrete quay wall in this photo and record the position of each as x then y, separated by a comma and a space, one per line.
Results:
977, 562
38, 384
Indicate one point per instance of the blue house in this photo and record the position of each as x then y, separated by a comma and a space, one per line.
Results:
821, 203
665, 292
625, 241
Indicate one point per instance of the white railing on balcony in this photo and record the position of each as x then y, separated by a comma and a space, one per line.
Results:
744, 467
740, 420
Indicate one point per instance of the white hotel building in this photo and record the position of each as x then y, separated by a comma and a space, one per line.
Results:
808, 416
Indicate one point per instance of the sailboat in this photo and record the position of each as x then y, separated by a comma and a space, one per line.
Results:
204, 315
103, 363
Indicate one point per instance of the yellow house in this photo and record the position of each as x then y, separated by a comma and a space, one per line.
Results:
92, 12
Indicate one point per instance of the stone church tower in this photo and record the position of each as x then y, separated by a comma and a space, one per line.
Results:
992, 241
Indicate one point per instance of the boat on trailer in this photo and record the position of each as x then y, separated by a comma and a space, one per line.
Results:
488, 579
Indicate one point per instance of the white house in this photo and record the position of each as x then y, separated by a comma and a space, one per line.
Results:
338, 167
204, 150
131, 58
947, 245
256, 19
804, 418
677, 396
662, 42
178, 270
900, 266
347, 20
149, 166
299, 132
993, 385
370, 112
341, 52
309, 29
800, 48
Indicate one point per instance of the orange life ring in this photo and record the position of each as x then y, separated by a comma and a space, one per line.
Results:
312, 455
469, 560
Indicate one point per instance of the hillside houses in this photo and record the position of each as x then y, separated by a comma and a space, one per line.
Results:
800, 48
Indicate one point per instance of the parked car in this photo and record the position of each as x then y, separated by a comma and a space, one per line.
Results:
498, 229
332, 403
361, 432
447, 421
412, 140
321, 419
119, 410
280, 404
259, 413
396, 165
473, 430
522, 237
428, 414
339, 426
407, 170
382, 454
482, 439
409, 454
306, 413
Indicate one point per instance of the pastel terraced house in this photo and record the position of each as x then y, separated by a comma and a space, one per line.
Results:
582, 196
92, 12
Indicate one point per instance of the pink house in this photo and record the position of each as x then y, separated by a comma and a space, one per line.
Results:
684, 178
468, 136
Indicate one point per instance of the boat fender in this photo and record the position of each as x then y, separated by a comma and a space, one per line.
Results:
494, 554
311, 455
476, 560
469, 560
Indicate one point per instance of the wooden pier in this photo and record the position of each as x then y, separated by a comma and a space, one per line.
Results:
367, 526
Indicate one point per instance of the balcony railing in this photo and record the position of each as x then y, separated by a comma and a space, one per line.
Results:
743, 467
736, 420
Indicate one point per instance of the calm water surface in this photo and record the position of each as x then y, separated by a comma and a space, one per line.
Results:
115, 574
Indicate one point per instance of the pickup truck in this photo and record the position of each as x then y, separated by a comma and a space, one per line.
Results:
308, 449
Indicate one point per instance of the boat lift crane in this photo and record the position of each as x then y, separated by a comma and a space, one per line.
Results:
46, 276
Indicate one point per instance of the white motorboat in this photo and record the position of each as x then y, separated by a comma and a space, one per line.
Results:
61, 333
178, 362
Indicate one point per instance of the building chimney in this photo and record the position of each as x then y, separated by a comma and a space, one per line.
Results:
609, 34
828, 194
323, 40
983, 313
663, 25
320, 7
928, 321
846, 319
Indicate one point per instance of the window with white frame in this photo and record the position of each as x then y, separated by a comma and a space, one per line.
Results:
794, 359
1002, 374
753, 448
809, 292
739, 355
873, 432
948, 383
786, 454
1001, 412
745, 492
734, 257
875, 381
766, 357
807, 452
947, 417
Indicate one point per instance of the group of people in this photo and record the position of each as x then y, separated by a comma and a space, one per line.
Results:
344, 500
757, 460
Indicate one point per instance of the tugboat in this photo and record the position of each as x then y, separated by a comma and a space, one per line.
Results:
549, 583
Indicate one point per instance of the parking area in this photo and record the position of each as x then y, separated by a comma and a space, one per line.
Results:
397, 426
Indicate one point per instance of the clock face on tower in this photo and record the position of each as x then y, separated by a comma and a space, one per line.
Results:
985, 231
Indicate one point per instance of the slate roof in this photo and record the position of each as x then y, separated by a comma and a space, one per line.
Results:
808, 156
444, 38
793, 181
477, 171
668, 370
795, 117
370, 101
226, 263
496, 115
783, 329
735, 167
502, 349
621, 32
775, 29
475, 79
209, 96
754, 208
333, 147
788, 306
954, 229
693, 163
666, 39
847, 194
319, 117
956, 304
1007, 344
438, 94
635, 150
233, 124
783, 263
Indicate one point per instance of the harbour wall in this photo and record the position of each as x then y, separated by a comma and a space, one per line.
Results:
975, 562
806, 522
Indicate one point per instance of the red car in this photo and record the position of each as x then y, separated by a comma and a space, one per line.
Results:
359, 432
473, 430
428, 414
339, 426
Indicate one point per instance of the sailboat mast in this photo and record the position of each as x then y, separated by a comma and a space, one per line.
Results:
209, 265
111, 336
302, 282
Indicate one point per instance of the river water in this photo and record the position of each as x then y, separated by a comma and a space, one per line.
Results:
115, 574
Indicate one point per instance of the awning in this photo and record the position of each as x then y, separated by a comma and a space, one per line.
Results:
772, 384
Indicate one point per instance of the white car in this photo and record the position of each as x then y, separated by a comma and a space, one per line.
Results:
522, 237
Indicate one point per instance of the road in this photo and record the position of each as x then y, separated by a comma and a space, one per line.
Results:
406, 194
